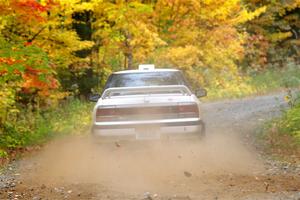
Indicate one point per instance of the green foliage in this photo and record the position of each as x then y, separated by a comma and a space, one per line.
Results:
271, 79
274, 78
3, 153
25, 74
290, 123
232, 88
33, 128
281, 136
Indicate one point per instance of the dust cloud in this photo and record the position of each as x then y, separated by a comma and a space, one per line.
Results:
142, 165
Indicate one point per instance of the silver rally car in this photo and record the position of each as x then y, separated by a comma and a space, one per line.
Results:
147, 104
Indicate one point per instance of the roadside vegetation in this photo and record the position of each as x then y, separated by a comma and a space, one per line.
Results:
29, 128
257, 83
281, 136
54, 53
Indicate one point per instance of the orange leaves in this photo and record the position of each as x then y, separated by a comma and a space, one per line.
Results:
38, 79
34, 71
32, 83
27, 44
28, 68
32, 79
28, 11
31, 5
3, 72
9, 61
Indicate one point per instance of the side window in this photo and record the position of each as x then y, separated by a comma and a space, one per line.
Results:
108, 82
184, 81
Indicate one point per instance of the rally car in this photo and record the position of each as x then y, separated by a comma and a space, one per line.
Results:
148, 104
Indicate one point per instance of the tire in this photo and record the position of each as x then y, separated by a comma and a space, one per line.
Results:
202, 130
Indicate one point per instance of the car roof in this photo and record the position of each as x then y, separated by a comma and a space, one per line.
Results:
145, 71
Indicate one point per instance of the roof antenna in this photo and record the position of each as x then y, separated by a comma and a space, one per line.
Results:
146, 67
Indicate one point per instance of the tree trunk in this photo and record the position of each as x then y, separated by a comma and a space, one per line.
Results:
130, 60
95, 61
128, 50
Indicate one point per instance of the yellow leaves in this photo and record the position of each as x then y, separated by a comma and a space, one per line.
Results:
84, 6
206, 39
222, 47
229, 12
5, 95
7, 99
3, 22
144, 41
219, 12
287, 6
70, 40
280, 36
287, 98
184, 58
62, 44
71, 6
52, 100
245, 15
237, 86
126, 25
295, 4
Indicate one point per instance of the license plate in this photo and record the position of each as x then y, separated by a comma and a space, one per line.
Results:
147, 134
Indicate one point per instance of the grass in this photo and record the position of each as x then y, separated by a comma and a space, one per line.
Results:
275, 79
258, 83
36, 128
281, 136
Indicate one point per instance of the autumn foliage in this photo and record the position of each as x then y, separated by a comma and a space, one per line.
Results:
50, 49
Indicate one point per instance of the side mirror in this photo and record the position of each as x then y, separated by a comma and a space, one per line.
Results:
201, 93
94, 97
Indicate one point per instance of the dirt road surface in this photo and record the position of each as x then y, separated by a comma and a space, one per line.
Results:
227, 165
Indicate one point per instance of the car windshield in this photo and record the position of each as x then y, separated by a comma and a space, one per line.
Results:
140, 79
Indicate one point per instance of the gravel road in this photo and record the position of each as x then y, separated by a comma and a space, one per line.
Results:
227, 165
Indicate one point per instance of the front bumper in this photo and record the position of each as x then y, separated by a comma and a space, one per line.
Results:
154, 130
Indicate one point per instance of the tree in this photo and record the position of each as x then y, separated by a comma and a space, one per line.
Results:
125, 26
280, 27
204, 37
36, 40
